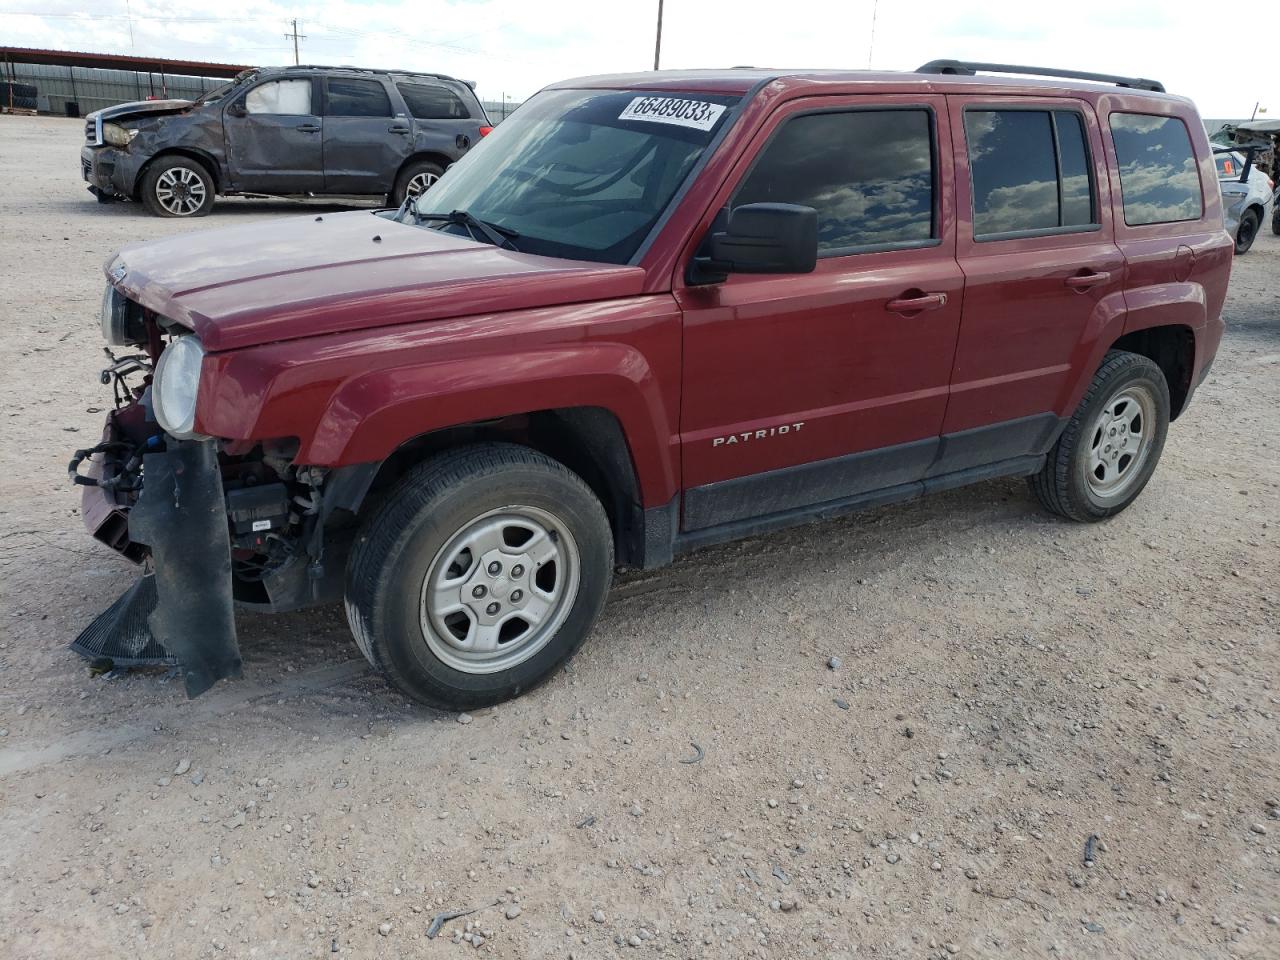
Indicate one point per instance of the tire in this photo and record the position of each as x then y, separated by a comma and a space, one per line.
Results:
418, 546
1275, 219
1070, 483
416, 176
177, 187
1247, 232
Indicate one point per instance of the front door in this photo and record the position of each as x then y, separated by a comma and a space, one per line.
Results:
273, 137
364, 143
1043, 275
820, 387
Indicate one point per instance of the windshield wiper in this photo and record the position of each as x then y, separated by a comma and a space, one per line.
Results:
496, 234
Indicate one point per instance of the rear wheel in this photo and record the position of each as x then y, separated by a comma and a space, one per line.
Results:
482, 572
415, 179
1112, 443
177, 187
1247, 232
1275, 219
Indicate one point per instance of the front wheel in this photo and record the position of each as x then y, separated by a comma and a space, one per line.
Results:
1112, 443
1247, 232
482, 572
177, 187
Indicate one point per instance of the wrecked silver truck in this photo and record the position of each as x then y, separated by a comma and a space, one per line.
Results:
283, 131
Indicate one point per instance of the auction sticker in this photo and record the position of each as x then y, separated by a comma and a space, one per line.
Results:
698, 114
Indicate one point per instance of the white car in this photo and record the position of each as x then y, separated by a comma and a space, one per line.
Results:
1246, 201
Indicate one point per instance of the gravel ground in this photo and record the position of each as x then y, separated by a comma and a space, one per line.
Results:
1006, 686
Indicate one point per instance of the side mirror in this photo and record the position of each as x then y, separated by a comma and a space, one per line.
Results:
237, 109
763, 238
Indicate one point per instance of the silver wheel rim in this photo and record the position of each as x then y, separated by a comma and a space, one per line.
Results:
419, 183
180, 190
499, 589
1120, 442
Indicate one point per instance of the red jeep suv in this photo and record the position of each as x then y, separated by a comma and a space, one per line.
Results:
647, 313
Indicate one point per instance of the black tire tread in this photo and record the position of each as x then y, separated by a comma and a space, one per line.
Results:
390, 527
1052, 485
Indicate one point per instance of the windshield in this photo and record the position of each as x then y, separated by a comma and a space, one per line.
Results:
216, 94
577, 173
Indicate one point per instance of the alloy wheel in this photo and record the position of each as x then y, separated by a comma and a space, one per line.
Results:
499, 589
181, 191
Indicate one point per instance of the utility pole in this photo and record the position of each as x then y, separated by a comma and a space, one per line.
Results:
657, 44
296, 37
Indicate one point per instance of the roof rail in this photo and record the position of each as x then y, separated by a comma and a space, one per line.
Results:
375, 70
968, 68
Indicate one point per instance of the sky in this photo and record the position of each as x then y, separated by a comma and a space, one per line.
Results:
514, 47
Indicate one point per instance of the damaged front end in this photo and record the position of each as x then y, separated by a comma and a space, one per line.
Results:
212, 525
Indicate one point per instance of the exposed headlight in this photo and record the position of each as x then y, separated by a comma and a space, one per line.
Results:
117, 135
175, 385
122, 323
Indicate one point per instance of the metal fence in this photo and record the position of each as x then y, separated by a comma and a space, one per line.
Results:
75, 91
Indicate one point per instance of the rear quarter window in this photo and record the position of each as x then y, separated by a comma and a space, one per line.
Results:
429, 101
1159, 178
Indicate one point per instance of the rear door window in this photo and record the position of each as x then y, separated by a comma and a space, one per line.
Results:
428, 101
868, 173
1159, 178
280, 97
1030, 172
357, 98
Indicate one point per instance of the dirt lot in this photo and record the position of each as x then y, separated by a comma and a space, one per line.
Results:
1007, 686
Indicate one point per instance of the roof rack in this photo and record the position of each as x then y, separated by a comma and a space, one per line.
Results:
376, 70
968, 68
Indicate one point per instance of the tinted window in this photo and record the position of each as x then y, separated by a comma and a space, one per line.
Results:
1158, 175
1073, 157
430, 102
869, 174
1014, 163
357, 98
281, 97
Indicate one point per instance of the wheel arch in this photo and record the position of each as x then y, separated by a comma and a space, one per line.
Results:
433, 156
1172, 348
588, 440
205, 160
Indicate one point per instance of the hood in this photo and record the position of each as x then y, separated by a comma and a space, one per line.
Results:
314, 275
139, 108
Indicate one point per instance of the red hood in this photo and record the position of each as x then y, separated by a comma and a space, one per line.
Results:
306, 276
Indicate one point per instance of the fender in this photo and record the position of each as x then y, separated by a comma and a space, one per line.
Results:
1106, 326
371, 415
356, 398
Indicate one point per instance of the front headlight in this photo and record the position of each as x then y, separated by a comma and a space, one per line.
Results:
117, 135
121, 319
176, 384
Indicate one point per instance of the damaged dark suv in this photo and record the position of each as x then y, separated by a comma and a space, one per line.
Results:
283, 131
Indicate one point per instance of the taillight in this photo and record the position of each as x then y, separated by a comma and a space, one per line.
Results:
485, 131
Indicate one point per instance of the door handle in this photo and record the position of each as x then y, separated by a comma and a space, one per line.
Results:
917, 304
308, 128
398, 128
1083, 281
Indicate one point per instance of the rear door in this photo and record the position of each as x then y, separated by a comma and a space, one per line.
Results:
811, 388
1043, 274
365, 141
445, 121
273, 136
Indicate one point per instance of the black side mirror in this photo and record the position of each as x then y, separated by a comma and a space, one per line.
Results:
761, 238
237, 109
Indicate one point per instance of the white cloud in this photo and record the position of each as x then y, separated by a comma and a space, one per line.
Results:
517, 46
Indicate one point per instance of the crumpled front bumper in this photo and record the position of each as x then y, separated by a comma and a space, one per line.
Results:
108, 170
180, 517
